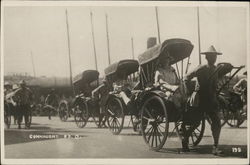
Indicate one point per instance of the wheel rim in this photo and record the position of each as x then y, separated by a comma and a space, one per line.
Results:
115, 116
81, 115
63, 112
136, 123
234, 119
95, 116
197, 134
154, 123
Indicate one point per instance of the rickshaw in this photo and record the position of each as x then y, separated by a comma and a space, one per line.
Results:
83, 84
84, 105
64, 111
122, 75
230, 103
158, 110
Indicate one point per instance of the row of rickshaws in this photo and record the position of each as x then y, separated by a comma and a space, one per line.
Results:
149, 109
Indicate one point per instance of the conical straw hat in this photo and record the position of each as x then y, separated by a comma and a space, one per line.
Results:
211, 50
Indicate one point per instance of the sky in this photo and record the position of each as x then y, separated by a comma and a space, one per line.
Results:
41, 31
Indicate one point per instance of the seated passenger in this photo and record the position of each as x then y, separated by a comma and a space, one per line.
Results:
241, 87
165, 73
124, 89
166, 77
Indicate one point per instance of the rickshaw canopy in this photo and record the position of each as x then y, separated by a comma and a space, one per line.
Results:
176, 48
86, 77
122, 68
224, 68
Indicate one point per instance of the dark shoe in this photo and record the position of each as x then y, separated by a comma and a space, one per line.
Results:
216, 151
19, 127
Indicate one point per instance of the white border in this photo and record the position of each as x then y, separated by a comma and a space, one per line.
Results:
120, 161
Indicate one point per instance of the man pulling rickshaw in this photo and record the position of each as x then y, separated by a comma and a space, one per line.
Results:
51, 103
207, 84
101, 94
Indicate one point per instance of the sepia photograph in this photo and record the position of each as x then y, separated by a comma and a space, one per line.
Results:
127, 82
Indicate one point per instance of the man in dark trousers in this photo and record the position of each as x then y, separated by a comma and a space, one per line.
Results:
207, 83
101, 93
51, 102
24, 98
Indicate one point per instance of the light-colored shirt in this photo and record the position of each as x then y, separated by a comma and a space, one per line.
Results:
167, 75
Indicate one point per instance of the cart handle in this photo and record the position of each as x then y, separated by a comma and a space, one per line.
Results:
231, 77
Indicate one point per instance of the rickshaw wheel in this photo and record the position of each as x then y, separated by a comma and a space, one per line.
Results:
7, 116
198, 133
136, 123
81, 115
115, 115
103, 122
154, 122
63, 111
235, 119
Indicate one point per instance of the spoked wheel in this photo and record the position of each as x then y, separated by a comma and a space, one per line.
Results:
136, 123
81, 114
154, 122
63, 111
103, 123
198, 133
115, 115
179, 131
7, 116
235, 119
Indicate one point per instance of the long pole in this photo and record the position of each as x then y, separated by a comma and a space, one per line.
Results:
132, 45
158, 27
33, 65
199, 42
107, 30
70, 68
93, 36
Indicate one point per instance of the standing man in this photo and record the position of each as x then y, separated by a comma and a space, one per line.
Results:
101, 93
51, 102
207, 83
24, 98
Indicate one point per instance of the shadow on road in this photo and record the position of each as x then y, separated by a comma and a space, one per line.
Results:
243, 127
130, 134
237, 151
15, 136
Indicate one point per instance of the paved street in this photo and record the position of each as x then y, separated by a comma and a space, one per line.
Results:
68, 141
